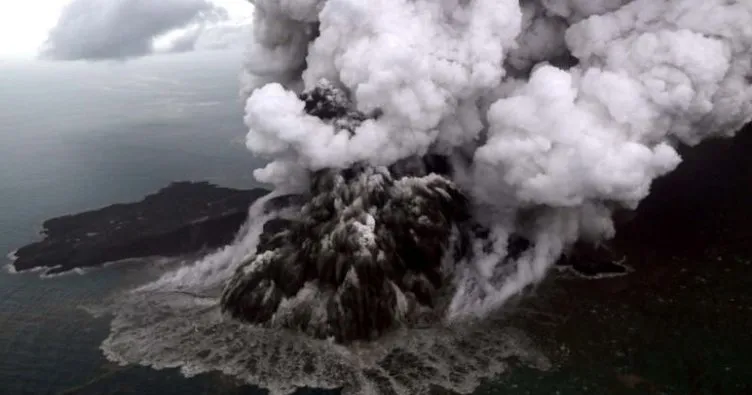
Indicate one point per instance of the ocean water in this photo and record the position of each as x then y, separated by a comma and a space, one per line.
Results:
78, 136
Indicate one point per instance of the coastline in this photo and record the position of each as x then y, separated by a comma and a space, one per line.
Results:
181, 218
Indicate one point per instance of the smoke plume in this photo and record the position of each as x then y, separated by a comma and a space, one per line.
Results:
552, 114
431, 159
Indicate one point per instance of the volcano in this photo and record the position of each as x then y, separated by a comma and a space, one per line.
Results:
371, 247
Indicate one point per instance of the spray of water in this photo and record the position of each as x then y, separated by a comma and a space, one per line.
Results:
176, 322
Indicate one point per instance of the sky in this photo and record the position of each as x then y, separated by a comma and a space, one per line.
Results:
25, 25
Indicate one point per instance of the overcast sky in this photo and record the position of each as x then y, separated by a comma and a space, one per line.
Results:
25, 26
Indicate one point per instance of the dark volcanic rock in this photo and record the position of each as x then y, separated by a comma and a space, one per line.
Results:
363, 252
363, 255
181, 218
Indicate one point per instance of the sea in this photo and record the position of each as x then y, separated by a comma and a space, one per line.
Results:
78, 136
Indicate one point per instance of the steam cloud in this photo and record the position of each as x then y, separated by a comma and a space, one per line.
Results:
445, 153
552, 114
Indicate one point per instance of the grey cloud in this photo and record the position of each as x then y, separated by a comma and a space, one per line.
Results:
121, 29
212, 37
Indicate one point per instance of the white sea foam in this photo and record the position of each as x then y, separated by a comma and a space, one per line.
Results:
175, 322
179, 330
599, 276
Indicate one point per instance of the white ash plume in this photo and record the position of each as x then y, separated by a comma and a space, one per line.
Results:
444, 154
561, 111
367, 251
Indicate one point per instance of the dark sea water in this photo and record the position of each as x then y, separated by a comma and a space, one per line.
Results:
75, 137
78, 136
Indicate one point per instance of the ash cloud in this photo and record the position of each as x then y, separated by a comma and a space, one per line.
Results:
444, 155
122, 29
553, 113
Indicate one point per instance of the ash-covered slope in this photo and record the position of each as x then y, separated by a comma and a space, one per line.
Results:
372, 246
183, 217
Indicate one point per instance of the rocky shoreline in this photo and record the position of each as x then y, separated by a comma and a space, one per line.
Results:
184, 217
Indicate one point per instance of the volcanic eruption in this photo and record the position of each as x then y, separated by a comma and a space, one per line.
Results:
365, 250
432, 159
448, 152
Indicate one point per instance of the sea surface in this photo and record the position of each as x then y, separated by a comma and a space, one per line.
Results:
79, 136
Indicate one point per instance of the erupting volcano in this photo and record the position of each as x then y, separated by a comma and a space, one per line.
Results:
444, 155
372, 246
428, 136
